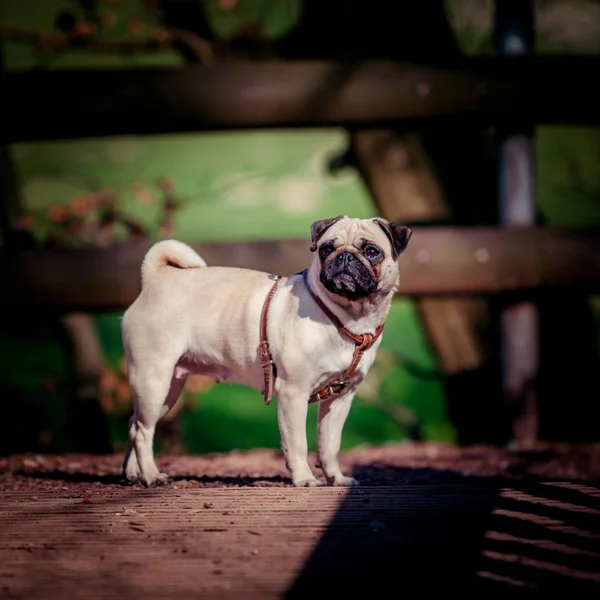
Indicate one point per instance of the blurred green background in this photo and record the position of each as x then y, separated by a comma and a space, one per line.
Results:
242, 186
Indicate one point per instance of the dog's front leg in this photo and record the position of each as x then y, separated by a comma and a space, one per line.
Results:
330, 423
292, 408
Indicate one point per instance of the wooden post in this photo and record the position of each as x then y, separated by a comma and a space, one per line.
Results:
514, 36
10, 208
438, 173
87, 424
406, 188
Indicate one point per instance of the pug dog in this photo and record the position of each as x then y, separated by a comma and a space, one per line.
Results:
308, 337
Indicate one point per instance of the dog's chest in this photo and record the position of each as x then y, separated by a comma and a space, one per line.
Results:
334, 361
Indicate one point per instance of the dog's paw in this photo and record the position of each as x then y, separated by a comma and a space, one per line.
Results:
344, 482
313, 482
162, 479
156, 480
131, 475
130, 478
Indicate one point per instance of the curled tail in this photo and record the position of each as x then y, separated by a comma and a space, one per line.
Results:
169, 252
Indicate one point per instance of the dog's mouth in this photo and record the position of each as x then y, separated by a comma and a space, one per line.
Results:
348, 277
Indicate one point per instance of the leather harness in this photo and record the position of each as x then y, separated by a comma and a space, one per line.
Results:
361, 344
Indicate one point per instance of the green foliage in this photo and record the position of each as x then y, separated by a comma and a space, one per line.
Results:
34, 388
568, 175
234, 185
126, 20
273, 20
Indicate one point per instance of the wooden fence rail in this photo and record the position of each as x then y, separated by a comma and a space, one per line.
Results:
439, 260
262, 94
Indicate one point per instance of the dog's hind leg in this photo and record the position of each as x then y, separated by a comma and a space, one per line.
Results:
131, 470
155, 391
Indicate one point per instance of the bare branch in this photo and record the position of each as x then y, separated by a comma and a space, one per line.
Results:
80, 39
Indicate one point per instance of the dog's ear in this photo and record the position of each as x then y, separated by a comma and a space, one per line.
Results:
397, 234
318, 228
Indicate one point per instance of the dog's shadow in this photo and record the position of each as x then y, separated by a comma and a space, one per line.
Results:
376, 475
72, 477
235, 481
372, 476
119, 480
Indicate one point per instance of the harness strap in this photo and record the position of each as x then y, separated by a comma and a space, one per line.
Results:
266, 361
339, 383
362, 342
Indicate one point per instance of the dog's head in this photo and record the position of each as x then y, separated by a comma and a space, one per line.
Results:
358, 257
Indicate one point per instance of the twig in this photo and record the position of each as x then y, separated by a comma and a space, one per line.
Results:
201, 48
162, 38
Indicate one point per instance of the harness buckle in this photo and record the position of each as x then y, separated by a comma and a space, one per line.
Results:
340, 385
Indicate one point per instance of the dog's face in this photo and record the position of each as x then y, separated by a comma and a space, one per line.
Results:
358, 257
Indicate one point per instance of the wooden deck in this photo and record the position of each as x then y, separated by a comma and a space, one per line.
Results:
99, 539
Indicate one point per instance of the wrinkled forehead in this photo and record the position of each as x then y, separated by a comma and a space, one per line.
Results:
356, 231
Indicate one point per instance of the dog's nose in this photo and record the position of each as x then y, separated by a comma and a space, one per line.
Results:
344, 258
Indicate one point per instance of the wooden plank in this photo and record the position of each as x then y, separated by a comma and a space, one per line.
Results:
256, 543
294, 93
438, 261
231, 526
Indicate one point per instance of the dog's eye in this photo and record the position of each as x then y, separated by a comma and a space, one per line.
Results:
372, 252
325, 250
